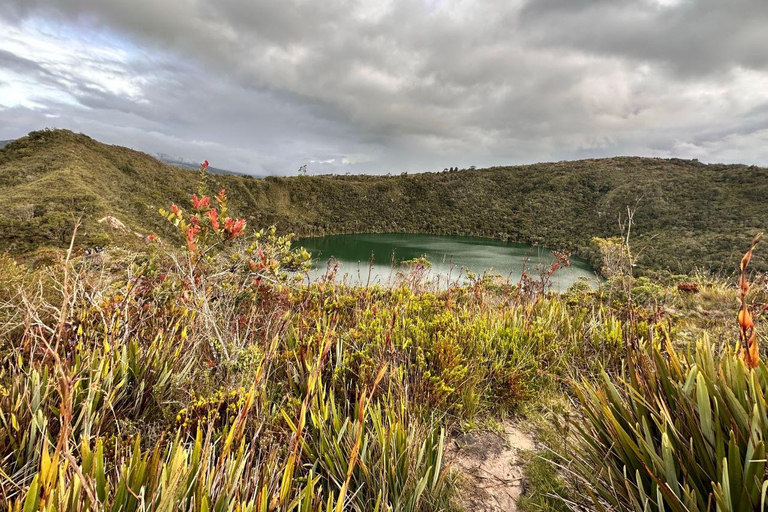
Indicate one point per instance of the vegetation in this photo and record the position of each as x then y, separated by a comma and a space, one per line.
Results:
688, 215
199, 372
677, 434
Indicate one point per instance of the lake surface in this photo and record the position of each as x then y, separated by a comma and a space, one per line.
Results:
447, 254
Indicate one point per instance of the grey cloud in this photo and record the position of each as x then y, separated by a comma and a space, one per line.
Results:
691, 36
409, 85
13, 62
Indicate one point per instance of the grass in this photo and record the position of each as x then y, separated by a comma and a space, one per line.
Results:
545, 489
211, 378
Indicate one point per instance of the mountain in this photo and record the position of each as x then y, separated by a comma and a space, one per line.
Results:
192, 166
4, 143
688, 215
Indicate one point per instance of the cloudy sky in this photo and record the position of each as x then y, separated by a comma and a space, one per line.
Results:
264, 86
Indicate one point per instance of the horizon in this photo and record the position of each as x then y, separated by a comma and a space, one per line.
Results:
375, 88
191, 165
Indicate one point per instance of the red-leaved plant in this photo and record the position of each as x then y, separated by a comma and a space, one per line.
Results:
748, 346
206, 227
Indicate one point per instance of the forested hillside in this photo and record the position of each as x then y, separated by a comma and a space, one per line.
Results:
688, 215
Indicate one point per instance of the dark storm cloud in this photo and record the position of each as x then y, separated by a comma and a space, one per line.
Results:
691, 36
403, 85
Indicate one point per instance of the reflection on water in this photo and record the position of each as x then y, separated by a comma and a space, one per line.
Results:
375, 257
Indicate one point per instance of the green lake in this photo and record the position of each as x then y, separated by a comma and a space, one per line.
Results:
449, 255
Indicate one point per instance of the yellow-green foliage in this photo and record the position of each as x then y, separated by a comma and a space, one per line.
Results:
216, 411
214, 380
680, 433
117, 388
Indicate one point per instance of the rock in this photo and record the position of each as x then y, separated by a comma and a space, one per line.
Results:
113, 222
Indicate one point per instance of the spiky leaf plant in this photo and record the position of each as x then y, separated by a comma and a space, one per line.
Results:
678, 433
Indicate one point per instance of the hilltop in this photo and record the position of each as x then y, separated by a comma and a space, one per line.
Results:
689, 215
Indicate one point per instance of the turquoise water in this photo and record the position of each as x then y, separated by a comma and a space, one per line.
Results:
449, 255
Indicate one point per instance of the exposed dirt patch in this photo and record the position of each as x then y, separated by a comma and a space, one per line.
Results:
113, 222
491, 468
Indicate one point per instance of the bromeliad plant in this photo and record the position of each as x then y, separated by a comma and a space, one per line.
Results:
679, 433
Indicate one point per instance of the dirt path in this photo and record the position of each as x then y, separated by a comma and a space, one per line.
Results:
490, 466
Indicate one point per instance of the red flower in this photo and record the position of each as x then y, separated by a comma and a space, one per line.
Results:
151, 238
234, 228
202, 203
213, 215
194, 220
222, 196
175, 209
204, 165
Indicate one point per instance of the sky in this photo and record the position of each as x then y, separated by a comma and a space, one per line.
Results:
387, 86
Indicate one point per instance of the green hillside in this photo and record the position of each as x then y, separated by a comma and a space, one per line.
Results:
689, 215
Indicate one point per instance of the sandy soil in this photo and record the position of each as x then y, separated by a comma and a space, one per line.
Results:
491, 472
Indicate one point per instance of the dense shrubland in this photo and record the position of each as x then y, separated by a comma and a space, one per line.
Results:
201, 373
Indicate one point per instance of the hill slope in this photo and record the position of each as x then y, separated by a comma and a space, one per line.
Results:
689, 215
